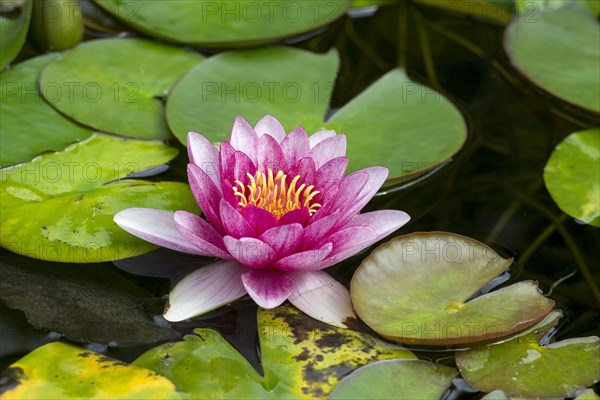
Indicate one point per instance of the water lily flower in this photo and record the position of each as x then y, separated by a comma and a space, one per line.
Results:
278, 210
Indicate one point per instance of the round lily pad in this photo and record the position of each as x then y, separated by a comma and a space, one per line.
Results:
225, 23
523, 368
396, 379
417, 289
572, 175
61, 371
29, 125
117, 85
558, 51
60, 206
396, 123
13, 30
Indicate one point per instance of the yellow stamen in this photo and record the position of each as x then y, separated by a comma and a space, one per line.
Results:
275, 194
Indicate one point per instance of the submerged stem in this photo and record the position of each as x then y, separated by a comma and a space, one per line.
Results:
537, 242
426, 50
364, 47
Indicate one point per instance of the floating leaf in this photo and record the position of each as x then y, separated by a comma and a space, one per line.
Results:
522, 367
572, 175
415, 289
224, 24
528, 8
396, 123
29, 125
588, 395
301, 358
123, 97
558, 51
85, 303
396, 379
13, 31
61, 371
60, 206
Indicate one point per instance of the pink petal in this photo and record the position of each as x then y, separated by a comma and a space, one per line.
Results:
317, 229
328, 149
377, 176
268, 288
244, 138
234, 223
299, 216
284, 239
383, 222
305, 168
157, 227
260, 220
346, 243
251, 252
237, 166
205, 155
304, 261
205, 289
201, 234
295, 146
345, 195
269, 125
270, 155
206, 194
319, 295
331, 173
318, 137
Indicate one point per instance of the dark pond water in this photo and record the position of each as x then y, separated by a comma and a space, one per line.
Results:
492, 191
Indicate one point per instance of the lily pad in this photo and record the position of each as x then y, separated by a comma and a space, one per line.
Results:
29, 125
396, 379
395, 122
62, 371
418, 289
13, 30
559, 52
301, 358
123, 97
572, 175
522, 367
60, 206
224, 24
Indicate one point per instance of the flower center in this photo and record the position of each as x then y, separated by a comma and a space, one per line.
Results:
275, 194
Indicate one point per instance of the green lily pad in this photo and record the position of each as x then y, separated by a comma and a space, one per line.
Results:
572, 175
559, 52
224, 24
588, 395
499, 11
123, 97
29, 125
416, 289
13, 31
396, 379
522, 367
61, 371
530, 7
395, 122
301, 358
60, 206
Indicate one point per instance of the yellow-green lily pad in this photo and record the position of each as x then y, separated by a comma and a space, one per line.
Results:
62, 371
225, 23
558, 51
396, 123
572, 175
522, 367
417, 289
301, 358
28, 124
117, 85
396, 379
60, 206
13, 29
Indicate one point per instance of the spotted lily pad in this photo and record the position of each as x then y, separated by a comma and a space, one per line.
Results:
29, 125
396, 379
123, 97
523, 367
62, 371
13, 29
224, 24
418, 288
301, 358
572, 175
60, 206
395, 122
559, 52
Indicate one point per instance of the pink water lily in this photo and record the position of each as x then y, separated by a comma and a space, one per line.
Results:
279, 209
